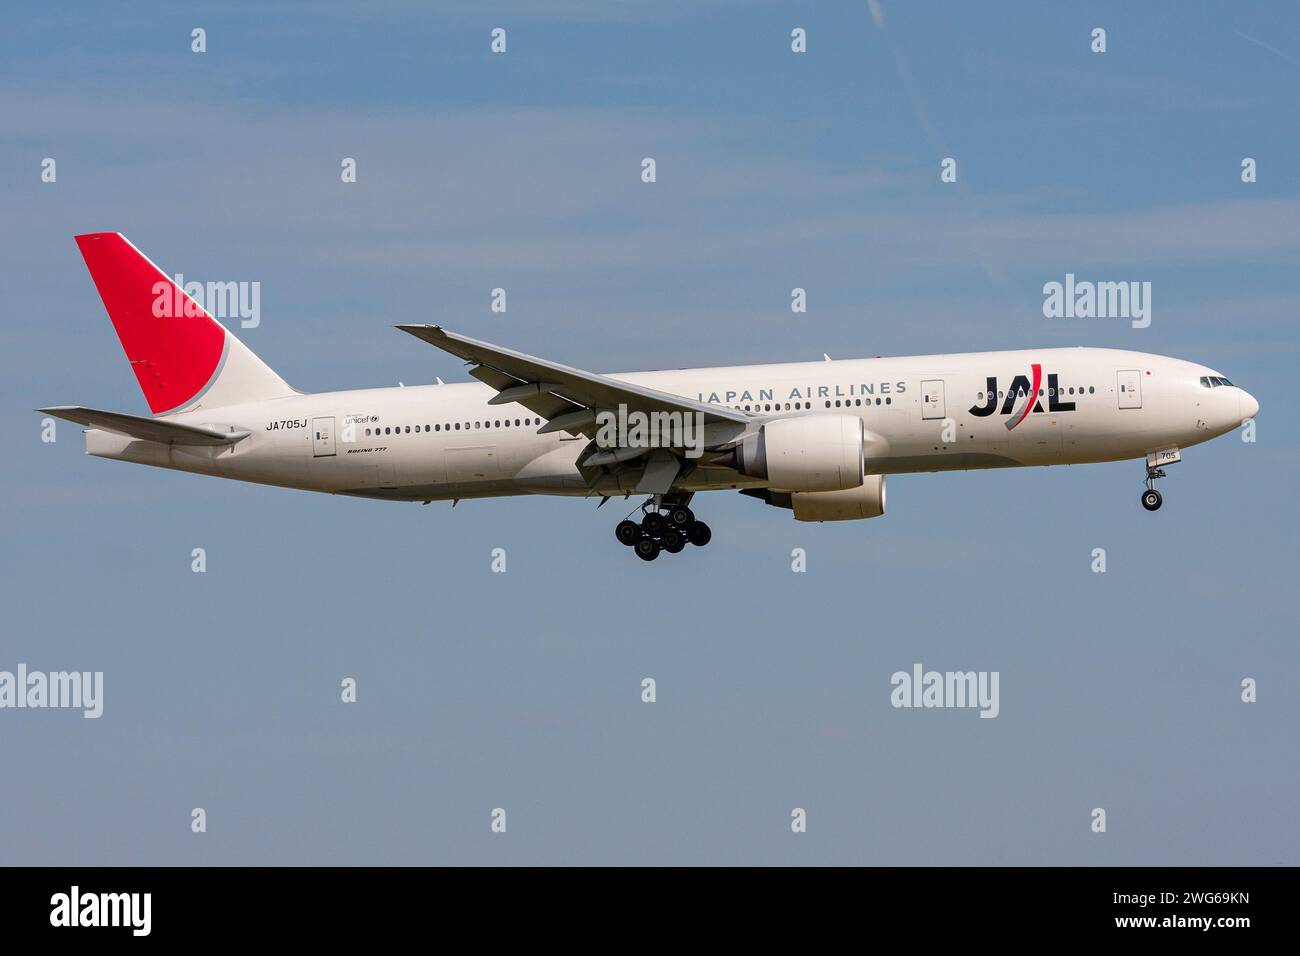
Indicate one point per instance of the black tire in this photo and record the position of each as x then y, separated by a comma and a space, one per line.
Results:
1151, 500
673, 541
680, 517
627, 532
647, 549
653, 524
699, 534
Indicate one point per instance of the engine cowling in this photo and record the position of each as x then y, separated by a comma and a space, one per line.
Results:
807, 453
865, 501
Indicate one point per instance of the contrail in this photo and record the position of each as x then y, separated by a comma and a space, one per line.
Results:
1270, 49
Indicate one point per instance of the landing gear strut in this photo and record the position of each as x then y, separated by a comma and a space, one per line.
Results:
667, 524
1151, 499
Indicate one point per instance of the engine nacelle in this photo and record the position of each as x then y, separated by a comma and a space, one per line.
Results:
865, 501
807, 453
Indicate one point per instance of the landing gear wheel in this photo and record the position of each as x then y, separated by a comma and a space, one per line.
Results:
1151, 499
673, 541
647, 549
699, 534
653, 524
627, 532
680, 517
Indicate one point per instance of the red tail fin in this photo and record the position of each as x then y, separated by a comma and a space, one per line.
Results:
180, 354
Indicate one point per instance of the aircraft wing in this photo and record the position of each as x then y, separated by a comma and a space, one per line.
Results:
146, 429
568, 398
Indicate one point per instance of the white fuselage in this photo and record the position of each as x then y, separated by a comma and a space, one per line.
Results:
921, 413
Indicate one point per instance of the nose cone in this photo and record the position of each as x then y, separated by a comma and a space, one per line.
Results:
1248, 406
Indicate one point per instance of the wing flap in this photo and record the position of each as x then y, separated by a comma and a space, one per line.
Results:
543, 403
562, 389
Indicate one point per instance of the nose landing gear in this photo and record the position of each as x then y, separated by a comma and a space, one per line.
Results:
1151, 499
665, 526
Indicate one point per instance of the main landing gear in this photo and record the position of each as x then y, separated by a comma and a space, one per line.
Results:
665, 526
1151, 499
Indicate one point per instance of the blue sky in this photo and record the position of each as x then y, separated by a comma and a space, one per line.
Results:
480, 690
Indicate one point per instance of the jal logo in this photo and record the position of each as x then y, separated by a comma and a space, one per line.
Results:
1022, 397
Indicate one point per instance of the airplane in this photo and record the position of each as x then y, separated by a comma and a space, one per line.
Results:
815, 438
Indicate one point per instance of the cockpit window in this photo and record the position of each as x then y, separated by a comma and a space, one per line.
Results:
1223, 381
1205, 381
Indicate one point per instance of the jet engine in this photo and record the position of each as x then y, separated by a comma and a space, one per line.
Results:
865, 501
806, 453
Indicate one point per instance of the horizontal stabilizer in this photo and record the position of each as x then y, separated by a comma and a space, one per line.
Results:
148, 429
